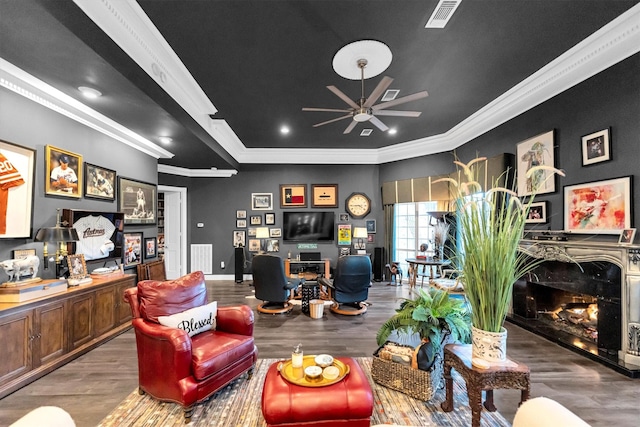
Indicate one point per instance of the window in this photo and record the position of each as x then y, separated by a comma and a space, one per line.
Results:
412, 226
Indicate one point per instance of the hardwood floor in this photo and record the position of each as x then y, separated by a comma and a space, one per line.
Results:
92, 385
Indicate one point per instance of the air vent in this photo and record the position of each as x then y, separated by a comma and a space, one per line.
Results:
366, 132
390, 95
443, 13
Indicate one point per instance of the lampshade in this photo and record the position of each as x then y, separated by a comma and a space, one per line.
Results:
262, 232
57, 234
360, 232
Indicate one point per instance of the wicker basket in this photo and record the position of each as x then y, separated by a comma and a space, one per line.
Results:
418, 384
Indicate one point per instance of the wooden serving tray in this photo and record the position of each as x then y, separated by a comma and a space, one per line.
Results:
296, 375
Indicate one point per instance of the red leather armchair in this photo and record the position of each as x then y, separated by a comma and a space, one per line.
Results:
175, 367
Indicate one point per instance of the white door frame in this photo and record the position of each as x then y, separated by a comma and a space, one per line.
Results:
183, 222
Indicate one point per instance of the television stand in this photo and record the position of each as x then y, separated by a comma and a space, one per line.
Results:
309, 269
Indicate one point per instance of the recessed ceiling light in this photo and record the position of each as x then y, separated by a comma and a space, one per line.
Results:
165, 139
90, 92
285, 130
393, 131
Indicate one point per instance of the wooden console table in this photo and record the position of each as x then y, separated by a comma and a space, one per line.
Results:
40, 335
511, 375
288, 263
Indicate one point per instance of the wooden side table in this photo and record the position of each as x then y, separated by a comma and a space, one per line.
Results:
511, 375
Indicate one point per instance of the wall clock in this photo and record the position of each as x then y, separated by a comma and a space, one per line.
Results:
358, 205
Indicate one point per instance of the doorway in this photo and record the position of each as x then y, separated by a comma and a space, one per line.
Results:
175, 230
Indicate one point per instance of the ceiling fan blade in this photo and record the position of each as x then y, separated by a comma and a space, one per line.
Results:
378, 123
333, 120
329, 110
402, 100
398, 113
350, 127
382, 86
342, 96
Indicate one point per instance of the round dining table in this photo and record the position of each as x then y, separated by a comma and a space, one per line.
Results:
434, 265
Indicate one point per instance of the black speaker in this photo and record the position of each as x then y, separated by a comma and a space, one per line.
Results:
239, 264
378, 263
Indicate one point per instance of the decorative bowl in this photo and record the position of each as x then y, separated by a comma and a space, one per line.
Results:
324, 360
330, 372
313, 372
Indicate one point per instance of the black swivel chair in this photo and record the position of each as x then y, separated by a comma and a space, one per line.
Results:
271, 285
350, 285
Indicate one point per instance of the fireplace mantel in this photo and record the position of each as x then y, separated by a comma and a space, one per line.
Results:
627, 257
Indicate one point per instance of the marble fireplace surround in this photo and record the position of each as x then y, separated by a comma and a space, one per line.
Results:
627, 257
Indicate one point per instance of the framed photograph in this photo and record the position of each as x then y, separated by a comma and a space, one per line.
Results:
22, 253
160, 243
537, 213
254, 245
324, 195
269, 218
275, 232
256, 219
344, 234
241, 214
138, 200
596, 147
343, 217
252, 232
63, 173
536, 151
627, 236
603, 207
100, 182
371, 238
371, 226
273, 245
241, 223
132, 249
262, 201
239, 239
77, 266
293, 195
18, 185
150, 247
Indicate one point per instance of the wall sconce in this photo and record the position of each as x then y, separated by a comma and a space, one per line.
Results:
60, 236
262, 233
360, 233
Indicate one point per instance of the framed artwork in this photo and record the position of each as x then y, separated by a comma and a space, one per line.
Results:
293, 195
371, 238
63, 173
138, 201
132, 249
77, 266
150, 247
275, 232
269, 218
627, 236
344, 234
273, 245
262, 201
19, 178
598, 207
160, 243
536, 151
596, 147
241, 214
241, 223
22, 253
324, 195
252, 232
254, 245
100, 182
256, 219
537, 213
371, 226
343, 217
239, 239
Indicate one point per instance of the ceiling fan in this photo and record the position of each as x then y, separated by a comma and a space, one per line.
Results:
364, 110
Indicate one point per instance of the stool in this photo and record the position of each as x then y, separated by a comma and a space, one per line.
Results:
511, 374
348, 402
309, 291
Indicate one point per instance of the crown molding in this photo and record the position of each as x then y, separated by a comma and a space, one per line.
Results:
196, 173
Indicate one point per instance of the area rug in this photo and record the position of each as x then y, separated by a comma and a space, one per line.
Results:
238, 405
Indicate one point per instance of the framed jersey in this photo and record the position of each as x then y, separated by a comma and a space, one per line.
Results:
17, 176
100, 233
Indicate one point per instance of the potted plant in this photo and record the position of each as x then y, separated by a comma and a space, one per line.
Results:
490, 226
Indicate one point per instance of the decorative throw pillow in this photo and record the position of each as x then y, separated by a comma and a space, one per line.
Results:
194, 320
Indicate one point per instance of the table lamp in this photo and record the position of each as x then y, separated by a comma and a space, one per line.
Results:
360, 233
60, 236
262, 233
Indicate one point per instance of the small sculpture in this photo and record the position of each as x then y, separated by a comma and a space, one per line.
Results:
22, 270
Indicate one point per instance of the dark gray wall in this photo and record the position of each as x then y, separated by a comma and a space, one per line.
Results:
28, 124
609, 99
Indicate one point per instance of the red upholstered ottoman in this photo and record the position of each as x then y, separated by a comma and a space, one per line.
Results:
348, 402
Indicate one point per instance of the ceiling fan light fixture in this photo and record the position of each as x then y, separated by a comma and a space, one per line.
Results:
362, 115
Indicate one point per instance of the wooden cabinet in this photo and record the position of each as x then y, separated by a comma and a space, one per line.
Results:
41, 335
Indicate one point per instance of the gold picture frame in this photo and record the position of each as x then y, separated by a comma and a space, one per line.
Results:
63, 173
324, 195
77, 266
293, 195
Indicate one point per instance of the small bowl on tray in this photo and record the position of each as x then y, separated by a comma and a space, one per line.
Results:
324, 360
313, 372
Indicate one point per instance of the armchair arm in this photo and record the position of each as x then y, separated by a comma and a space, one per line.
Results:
323, 281
294, 283
237, 319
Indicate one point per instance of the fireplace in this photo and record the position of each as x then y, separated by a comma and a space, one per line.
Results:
591, 307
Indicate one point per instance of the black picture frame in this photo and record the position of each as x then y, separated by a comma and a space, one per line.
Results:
150, 247
132, 249
100, 183
135, 211
596, 147
538, 213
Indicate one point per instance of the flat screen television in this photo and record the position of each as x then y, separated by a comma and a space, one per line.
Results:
308, 226
100, 233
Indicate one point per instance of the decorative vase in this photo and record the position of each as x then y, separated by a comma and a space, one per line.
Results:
489, 346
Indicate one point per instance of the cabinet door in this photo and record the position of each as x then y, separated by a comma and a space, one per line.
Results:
123, 311
49, 342
15, 349
104, 316
80, 320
